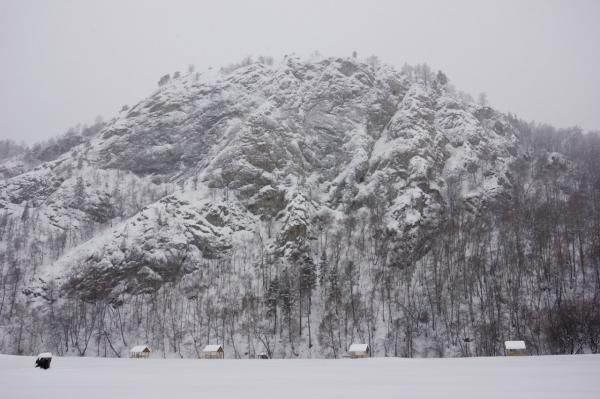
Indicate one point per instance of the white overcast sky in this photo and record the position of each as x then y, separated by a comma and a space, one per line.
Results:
64, 62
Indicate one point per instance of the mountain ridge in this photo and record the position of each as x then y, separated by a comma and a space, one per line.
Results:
248, 175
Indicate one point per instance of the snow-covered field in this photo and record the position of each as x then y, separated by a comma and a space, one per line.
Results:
528, 377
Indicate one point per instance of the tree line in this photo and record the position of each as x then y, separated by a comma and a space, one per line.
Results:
526, 266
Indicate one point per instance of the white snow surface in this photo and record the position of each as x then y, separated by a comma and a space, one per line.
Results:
544, 377
211, 348
139, 348
358, 348
514, 345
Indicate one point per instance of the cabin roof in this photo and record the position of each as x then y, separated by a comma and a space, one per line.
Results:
212, 348
514, 345
45, 355
358, 348
140, 348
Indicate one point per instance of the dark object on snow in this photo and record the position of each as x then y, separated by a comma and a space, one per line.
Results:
43, 360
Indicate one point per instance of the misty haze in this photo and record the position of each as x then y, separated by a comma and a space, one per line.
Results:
299, 199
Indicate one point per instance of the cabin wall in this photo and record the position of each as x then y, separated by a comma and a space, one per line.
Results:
139, 355
516, 352
214, 355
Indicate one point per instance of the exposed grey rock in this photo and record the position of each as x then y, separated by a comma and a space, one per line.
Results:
262, 147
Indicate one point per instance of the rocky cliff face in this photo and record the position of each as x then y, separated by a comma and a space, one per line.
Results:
262, 157
301, 137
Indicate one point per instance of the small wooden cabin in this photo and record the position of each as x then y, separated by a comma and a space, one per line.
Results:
213, 352
140, 352
515, 348
358, 351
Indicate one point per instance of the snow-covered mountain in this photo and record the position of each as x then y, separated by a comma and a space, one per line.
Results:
238, 185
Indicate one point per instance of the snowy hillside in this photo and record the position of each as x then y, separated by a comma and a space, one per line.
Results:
535, 377
297, 208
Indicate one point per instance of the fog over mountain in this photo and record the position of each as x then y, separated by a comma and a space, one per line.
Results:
65, 62
293, 206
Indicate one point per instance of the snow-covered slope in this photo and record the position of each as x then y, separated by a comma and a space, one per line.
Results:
535, 377
242, 187
333, 133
